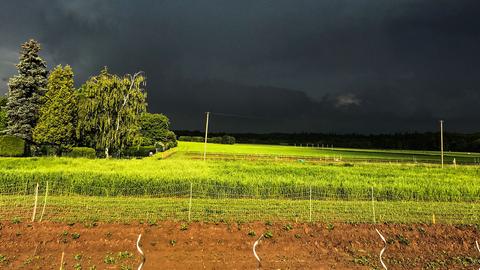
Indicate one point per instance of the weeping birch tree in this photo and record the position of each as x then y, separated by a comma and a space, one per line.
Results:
110, 108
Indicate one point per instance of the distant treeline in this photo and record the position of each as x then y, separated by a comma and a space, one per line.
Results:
413, 141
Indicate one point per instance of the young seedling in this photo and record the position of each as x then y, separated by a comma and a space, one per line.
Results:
288, 227
125, 255
390, 241
251, 233
91, 224
402, 240
75, 236
28, 261
184, 227
152, 223
16, 220
109, 259
239, 225
362, 260
268, 234
173, 242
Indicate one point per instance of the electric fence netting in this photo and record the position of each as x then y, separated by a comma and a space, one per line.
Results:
210, 202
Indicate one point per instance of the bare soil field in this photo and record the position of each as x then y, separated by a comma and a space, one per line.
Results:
174, 245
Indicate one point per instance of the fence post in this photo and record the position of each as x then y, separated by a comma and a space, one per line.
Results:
190, 202
310, 203
61, 261
373, 208
35, 205
44, 202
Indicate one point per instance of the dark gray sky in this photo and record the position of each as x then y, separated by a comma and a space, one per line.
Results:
365, 66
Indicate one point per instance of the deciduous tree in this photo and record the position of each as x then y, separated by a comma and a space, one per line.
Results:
110, 108
154, 128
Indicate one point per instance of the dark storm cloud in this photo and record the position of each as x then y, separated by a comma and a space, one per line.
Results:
323, 66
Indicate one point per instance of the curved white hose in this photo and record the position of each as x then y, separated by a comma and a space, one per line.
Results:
478, 247
141, 252
383, 249
255, 252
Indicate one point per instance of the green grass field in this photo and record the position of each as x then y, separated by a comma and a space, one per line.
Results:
338, 153
245, 188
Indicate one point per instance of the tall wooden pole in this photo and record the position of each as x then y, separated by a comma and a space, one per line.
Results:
206, 136
441, 140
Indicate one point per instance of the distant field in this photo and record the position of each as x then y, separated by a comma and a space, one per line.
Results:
335, 153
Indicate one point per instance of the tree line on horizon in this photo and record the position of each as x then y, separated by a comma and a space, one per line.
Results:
107, 113
406, 141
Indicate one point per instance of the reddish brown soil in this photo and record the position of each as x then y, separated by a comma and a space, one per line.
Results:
229, 246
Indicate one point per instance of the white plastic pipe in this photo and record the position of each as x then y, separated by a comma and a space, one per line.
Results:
383, 249
141, 252
254, 250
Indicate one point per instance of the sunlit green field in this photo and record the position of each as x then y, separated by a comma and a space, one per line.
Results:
245, 188
337, 153
242, 177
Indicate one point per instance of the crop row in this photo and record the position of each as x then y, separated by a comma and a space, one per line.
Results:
78, 208
240, 179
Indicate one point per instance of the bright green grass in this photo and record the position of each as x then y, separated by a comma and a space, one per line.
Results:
339, 153
242, 189
240, 178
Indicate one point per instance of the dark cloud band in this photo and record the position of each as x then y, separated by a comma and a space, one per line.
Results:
362, 66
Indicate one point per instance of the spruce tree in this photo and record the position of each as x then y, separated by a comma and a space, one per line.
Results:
25, 92
57, 118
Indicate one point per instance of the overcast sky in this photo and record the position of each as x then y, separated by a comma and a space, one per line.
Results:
365, 66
